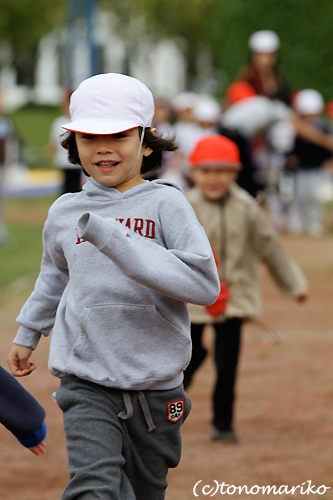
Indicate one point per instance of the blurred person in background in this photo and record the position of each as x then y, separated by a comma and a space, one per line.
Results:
207, 114
242, 240
163, 117
329, 114
6, 134
187, 132
329, 163
262, 72
249, 117
164, 128
308, 161
237, 92
281, 180
72, 173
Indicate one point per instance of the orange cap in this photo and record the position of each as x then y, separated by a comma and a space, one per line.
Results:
216, 150
329, 109
238, 91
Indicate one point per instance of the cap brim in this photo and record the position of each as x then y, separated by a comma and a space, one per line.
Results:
99, 127
217, 164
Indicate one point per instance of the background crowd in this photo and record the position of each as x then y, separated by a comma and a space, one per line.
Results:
283, 161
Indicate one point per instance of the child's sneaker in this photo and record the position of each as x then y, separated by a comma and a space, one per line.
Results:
226, 436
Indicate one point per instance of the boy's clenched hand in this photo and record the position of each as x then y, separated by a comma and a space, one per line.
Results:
18, 360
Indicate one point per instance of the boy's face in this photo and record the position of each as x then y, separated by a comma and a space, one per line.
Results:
213, 181
110, 159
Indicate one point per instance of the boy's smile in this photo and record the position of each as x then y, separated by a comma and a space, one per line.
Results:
107, 166
110, 158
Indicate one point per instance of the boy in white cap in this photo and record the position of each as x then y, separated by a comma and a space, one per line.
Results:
121, 260
308, 161
242, 239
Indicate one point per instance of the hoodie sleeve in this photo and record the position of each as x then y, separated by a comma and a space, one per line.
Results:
285, 271
38, 313
185, 270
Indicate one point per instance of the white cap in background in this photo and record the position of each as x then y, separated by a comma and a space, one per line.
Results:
184, 100
207, 110
264, 41
309, 102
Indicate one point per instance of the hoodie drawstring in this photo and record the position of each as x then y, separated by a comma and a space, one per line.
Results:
129, 409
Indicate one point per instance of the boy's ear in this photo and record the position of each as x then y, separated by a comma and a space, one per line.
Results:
148, 151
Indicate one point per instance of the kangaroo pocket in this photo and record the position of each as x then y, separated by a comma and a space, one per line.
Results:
129, 343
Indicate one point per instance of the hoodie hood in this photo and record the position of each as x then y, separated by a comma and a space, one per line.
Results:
106, 193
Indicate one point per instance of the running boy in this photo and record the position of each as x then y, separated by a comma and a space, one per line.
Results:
242, 239
121, 260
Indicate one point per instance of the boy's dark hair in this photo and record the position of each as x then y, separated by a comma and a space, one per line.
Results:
150, 163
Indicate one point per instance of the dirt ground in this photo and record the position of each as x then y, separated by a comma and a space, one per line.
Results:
284, 409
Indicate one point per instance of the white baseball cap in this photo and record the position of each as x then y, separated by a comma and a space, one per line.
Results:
264, 41
110, 103
207, 110
309, 102
185, 100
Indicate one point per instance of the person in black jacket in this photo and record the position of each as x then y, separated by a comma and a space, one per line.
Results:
308, 160
21, 414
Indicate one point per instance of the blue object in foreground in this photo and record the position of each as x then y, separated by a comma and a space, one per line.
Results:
33, 439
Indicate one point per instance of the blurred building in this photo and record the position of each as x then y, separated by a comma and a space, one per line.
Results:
160, 65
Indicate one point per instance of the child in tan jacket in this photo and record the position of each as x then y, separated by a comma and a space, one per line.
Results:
242, 239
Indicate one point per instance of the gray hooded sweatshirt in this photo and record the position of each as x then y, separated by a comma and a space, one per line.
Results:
114, 284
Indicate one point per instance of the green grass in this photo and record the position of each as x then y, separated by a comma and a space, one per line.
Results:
30, 207
32, 125
20, 258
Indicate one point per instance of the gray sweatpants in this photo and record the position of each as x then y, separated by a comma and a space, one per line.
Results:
111, 457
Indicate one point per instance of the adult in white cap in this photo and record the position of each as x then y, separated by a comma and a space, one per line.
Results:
262, 72
265, 41
309, 161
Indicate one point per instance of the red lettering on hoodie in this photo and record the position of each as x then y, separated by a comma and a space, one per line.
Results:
150, 229
138, 226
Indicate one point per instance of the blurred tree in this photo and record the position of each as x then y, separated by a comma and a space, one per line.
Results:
24, 22
223, 27
218, 28
186, 22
